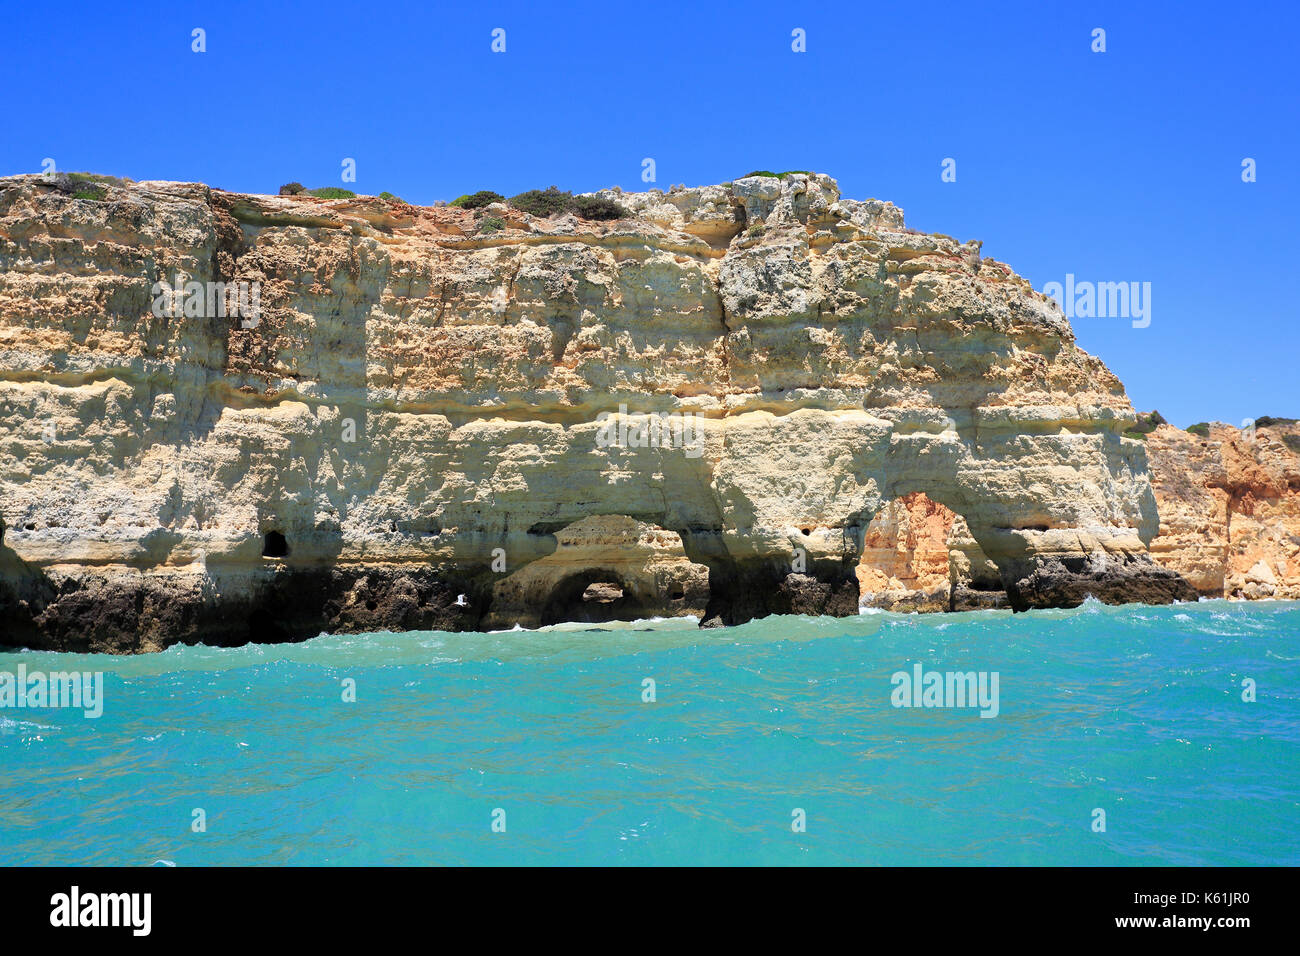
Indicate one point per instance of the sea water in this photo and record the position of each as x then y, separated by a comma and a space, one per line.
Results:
1122, 735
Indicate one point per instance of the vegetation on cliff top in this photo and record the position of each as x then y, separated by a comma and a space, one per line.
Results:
772, 175
332, 192
552, 201
85, 185
484, 197
1146, 424
324, 192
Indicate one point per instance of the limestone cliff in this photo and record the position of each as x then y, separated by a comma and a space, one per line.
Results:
1229, 504
726, 404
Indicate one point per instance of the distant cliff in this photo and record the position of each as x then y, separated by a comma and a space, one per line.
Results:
736, 400
1229, 503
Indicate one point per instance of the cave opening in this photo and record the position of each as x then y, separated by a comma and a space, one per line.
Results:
919, 553
592, 596
265, 628
274, 545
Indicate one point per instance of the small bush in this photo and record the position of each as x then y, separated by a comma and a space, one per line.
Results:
1146, 424
491, 224
771, 175
332, 192
596, 208
543, 202
1265, 420
292, 189
391, 198
756, 229
552, 201
85, 185
478, 200
1292, 442
1200, 428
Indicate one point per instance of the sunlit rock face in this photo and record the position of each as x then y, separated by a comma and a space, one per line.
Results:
732, 382
1229, 502
918, 555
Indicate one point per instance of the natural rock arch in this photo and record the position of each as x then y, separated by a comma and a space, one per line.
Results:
917, 554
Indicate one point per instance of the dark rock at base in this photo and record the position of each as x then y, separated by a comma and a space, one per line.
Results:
969, 599
124, 612
1111, 579
741, 595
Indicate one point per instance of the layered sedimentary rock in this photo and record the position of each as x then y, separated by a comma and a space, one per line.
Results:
1229, 503
918, 555
604, 567
701, 408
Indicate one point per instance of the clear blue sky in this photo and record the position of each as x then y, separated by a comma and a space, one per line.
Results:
1119, 166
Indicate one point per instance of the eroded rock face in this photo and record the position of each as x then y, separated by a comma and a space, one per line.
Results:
1230, 508
905, 563
607, 567
920, 556
417, 399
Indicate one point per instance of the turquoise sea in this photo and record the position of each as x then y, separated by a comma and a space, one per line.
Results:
1136, 711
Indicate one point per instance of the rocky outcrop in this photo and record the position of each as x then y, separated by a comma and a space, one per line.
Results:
604, 568
425, 422
1229, 503
918, 555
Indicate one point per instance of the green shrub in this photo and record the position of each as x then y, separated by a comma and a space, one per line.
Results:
552, 201
596, 208
491, 224
332, 192
543, 202
1265, 420
292, 189
1292, 442
771, 175
391, 198
1200, 428
1146, 424
478, 200
756, 229
86, 185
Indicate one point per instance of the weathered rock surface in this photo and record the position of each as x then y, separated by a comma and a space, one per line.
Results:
609, 567
1230, 508
918, 555
417, 412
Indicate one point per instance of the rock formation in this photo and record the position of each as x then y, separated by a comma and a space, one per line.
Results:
743, 399
1229, 503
